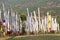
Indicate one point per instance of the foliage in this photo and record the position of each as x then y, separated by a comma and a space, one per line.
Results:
58, 20
23, 16
21, 5
38, 38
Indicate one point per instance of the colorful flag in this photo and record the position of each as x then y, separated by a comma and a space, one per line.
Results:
48, 22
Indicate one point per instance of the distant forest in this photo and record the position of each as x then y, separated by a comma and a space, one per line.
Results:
45, 5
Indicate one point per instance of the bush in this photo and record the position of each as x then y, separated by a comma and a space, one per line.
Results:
23, 16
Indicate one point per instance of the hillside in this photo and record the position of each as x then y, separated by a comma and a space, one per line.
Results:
45, 5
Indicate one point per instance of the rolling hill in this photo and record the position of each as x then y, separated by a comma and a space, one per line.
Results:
45, 5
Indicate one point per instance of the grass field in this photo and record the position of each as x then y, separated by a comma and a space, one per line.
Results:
36, 38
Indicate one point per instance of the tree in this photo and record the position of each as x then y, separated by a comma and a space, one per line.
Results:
58, 20
23, 16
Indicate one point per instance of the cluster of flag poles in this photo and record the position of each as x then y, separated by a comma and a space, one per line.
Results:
44, 24
12, 23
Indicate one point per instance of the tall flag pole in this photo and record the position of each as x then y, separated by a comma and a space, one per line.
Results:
17, 27
56, 25
35, 16
13, 20
45, 23
4, 11
0, 15
28, 11
8, 22
36, 24
39, 22
0, 22
0, 18
20, 25
52, 24
4, 28
8, 27
3, 7
31, 23
49, 22
30, 19
5, 14
5, 21
42, 23
27, 23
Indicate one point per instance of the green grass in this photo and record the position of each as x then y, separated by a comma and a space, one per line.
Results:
37, 38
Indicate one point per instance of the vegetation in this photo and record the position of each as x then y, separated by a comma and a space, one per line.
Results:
23, 16
45, 5
58, 20
37, 38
